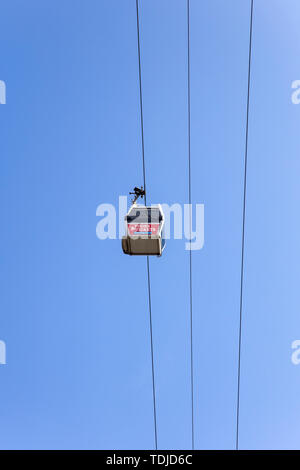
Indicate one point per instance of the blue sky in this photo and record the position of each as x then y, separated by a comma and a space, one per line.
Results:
74, 309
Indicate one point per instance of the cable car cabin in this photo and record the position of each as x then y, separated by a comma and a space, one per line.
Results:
144, 231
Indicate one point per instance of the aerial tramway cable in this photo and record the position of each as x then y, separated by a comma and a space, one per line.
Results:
190, 221
243, 229
144, 177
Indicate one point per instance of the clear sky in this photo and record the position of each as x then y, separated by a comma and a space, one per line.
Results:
74, 309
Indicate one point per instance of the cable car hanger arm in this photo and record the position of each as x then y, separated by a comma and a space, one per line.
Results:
137, 192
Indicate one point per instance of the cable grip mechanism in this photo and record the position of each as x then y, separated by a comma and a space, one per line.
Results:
137, 192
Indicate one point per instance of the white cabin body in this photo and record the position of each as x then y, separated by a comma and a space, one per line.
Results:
144, 231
